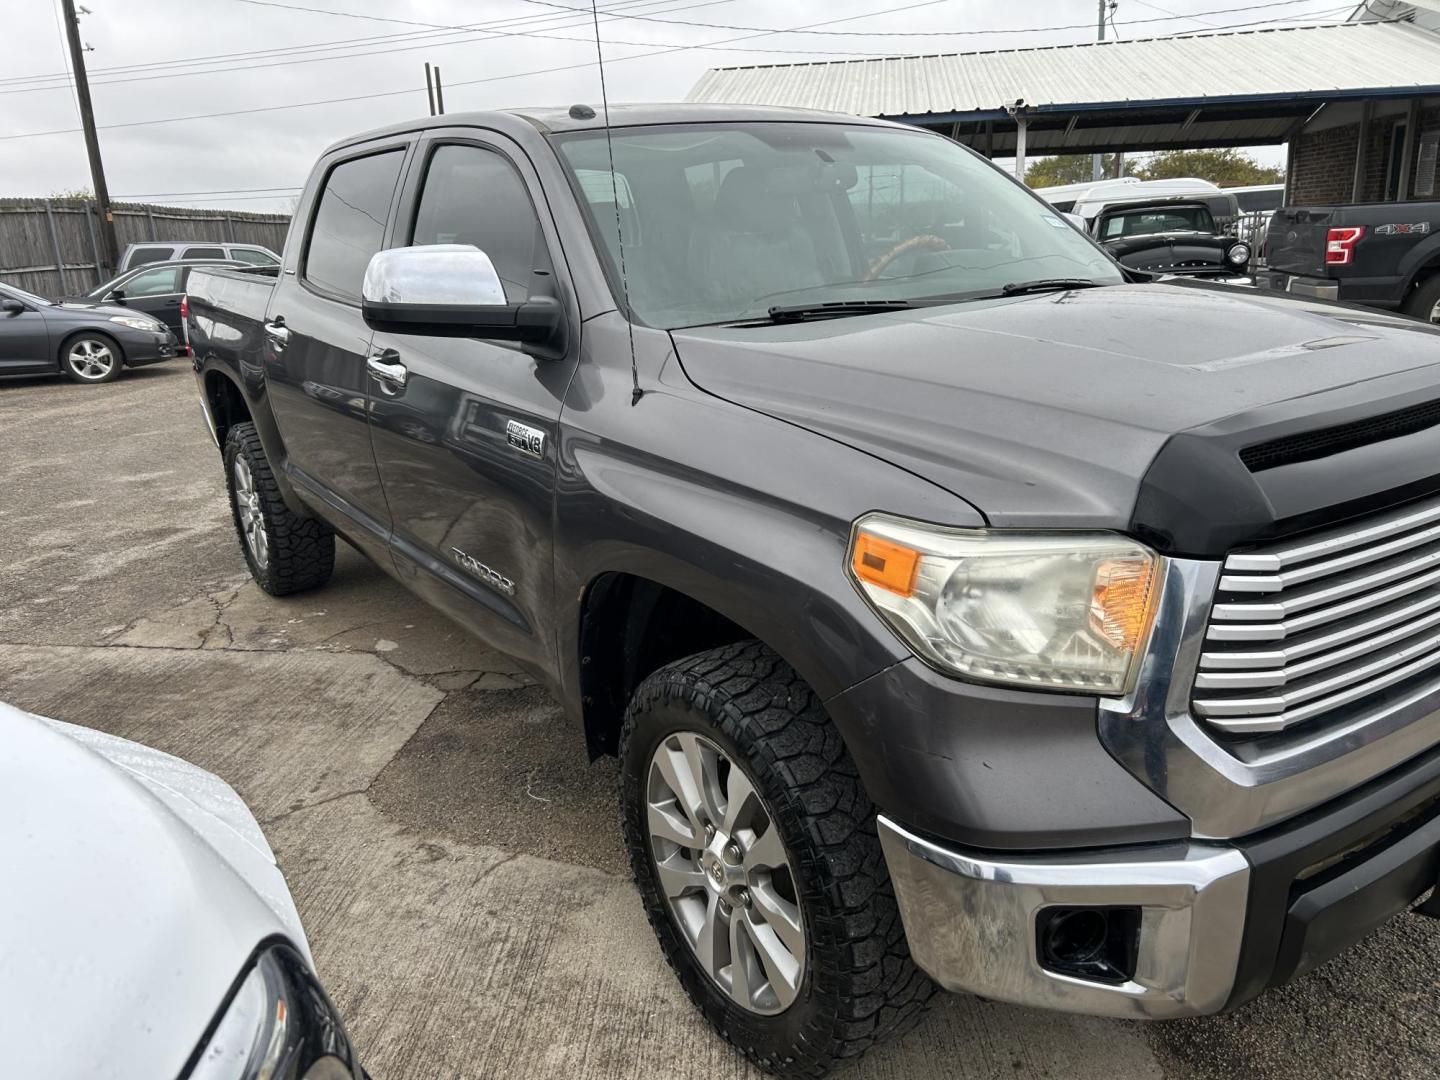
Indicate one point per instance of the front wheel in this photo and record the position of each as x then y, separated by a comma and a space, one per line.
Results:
755, 852
286, 553
91, 358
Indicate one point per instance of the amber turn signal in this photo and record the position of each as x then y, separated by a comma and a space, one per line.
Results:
886, 564
1120, 601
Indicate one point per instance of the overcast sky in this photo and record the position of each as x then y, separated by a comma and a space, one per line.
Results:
165, 60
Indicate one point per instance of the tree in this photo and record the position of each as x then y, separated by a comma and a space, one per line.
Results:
1226, 168
1065, 169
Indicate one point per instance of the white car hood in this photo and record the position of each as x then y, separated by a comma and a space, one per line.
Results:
134, 888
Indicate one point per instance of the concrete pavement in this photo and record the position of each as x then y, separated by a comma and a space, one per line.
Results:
455, 858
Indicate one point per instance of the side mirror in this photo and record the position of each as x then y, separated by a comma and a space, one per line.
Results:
117, 296
452, 290
11, 306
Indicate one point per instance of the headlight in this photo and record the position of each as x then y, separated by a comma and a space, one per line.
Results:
1238, 253
135, 323
1062, 611
279, 1025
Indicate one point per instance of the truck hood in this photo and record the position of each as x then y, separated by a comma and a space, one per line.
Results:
1047, 410
137, 886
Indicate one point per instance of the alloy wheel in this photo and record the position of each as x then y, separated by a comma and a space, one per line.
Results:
725, 873
248, 509
90, 359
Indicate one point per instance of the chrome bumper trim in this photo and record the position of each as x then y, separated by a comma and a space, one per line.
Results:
970, 919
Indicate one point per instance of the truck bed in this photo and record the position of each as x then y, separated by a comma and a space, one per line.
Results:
227, 313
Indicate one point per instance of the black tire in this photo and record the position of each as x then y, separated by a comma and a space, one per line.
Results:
1424, 301
94, 340
859, 985
299, 552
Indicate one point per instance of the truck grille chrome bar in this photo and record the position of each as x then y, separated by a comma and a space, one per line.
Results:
1309, 628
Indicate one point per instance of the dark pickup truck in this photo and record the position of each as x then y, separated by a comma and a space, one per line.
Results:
1384, 255
960, 607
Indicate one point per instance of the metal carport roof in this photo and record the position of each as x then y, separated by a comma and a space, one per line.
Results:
1225, 89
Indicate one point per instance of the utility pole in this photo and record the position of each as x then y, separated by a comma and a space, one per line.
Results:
439, 94
111, 253
1097, 161
430, 88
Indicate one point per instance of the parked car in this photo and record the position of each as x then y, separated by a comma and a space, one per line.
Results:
156, 291
955, 601
1386, 255
1258, 198
1089, 200
146, 930
89, 342
1175, 235
172, 250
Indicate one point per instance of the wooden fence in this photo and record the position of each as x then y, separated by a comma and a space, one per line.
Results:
52, 246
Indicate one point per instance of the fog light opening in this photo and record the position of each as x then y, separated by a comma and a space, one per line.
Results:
1095, 944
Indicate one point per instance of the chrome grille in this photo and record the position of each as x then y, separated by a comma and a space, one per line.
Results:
1308, 628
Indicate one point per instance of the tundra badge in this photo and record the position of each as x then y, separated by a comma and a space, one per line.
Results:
484, 573
527, 440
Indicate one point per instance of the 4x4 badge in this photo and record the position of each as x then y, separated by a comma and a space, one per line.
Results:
526, 439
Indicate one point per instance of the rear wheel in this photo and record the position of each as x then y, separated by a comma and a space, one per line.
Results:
286, 553
755, 852
91, 357
1424, 302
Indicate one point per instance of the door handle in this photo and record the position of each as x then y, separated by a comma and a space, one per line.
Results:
386, 368
278, 333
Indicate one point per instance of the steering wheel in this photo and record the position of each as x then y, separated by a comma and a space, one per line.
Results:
924, 242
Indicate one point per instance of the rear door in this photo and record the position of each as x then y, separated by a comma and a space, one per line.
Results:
466, 447
317, 342
157, 293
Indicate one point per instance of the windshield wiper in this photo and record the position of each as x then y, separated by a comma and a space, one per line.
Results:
835, 309
1016, 288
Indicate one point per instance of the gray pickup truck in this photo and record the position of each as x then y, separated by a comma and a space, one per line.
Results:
962, 608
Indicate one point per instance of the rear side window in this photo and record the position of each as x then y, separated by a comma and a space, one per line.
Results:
475, 196
141, 256
349, 224
253, 256
204, 253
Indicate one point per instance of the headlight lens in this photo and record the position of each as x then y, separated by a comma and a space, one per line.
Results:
279, 1025
1062, 611
134, 323
1238, 253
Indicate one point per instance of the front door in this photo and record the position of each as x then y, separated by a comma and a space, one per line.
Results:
466, 446
25, 342
317, 345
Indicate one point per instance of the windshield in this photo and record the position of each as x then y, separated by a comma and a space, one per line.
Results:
720, 223
1166, 219
22, 295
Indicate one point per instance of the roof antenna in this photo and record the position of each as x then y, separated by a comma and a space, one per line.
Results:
635, 393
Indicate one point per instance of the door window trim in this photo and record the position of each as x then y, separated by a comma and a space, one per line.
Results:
406, 145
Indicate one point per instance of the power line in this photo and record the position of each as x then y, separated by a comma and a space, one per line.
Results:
891, 33
468, 82
218, 191
339, 44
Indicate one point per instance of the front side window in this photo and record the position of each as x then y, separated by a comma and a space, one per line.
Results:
155, 282
474, 196
349, 224
719, 223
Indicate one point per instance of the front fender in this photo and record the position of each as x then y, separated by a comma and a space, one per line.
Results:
742, 512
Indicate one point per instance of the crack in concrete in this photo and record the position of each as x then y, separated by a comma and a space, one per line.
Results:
301, 807
220, 624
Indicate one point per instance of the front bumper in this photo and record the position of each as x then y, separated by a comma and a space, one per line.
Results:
1218, 923
145, 347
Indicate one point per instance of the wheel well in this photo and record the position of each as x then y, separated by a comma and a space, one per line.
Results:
227, 404
629, 627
